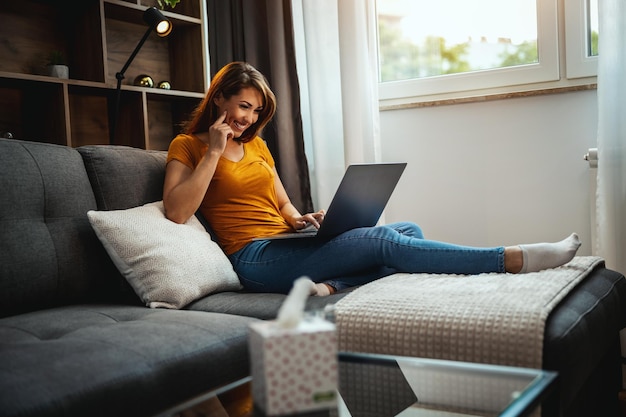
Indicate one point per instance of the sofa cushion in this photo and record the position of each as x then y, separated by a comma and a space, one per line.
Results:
259, 305
123, 177
49, 255
105, 360
168, 264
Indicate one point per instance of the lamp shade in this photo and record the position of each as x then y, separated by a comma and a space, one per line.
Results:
153, 17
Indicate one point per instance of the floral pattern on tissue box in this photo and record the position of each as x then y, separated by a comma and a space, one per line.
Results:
294, 370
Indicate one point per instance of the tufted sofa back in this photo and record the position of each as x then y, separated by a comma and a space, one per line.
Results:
124, 177
49, 254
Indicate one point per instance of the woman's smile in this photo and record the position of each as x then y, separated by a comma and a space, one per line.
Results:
239, 126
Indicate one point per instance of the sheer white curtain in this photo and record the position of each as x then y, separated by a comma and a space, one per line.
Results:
337, 69
611, 187
359, 80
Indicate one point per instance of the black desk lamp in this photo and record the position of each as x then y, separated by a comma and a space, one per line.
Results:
157, 22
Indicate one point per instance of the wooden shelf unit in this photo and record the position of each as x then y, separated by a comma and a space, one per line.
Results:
97, 37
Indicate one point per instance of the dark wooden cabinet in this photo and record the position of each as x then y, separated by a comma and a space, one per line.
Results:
96, 37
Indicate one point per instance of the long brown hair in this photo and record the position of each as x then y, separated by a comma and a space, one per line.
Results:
226, 83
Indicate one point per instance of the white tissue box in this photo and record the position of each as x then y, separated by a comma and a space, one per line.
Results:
294, 370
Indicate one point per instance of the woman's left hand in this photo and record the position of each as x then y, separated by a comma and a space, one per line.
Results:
315, 219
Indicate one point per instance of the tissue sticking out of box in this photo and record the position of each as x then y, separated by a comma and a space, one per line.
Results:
292, 310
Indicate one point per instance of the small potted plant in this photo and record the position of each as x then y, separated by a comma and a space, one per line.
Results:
170, 3
57, 66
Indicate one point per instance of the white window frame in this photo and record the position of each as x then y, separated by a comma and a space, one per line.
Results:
578, 63
546, 70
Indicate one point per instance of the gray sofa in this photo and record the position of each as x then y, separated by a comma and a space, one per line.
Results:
75, 340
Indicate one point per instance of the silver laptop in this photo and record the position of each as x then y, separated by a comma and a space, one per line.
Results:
358, 202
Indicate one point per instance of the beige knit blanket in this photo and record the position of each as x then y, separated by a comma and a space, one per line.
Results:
488, 318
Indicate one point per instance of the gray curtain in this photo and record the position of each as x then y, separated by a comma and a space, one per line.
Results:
260, 32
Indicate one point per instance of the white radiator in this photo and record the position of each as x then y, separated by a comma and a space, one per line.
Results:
592, 158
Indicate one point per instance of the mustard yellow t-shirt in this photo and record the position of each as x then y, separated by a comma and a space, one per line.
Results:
240, 203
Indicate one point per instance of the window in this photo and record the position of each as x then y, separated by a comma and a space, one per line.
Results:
459, 47
476, 35
581, 26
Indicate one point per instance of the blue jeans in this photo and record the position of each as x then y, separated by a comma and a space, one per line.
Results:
357, 257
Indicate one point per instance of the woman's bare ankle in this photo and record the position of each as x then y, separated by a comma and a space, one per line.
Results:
513, 259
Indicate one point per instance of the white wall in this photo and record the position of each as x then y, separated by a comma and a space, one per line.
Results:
496, 172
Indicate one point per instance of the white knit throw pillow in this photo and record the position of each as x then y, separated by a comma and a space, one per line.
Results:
168, 265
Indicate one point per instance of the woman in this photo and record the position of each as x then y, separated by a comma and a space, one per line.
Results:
221, 166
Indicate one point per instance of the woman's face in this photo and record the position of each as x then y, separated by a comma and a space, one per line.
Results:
242, 110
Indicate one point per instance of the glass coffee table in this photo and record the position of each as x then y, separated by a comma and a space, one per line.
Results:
373, 385
381, 385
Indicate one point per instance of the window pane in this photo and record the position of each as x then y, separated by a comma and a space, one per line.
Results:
592, 32
424, 38
581, 38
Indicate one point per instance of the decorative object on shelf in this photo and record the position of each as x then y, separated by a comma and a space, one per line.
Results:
171, 3
144, 80
165, 85
57, 67
163, 27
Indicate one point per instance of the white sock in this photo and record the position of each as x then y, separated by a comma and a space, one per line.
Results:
313, 289
321, 290
539, 256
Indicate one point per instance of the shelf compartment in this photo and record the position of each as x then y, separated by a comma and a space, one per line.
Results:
33, 110
31, 30
187, 63
89, 120
131, 119
152, 59
177, 58
167, 116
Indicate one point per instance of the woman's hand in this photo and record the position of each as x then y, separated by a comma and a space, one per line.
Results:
219, 133
290, 213
316, 219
